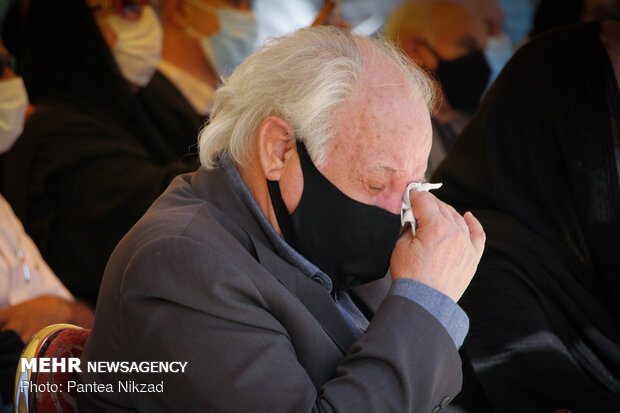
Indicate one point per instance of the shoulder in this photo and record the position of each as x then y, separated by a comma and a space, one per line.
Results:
182, 236
75, 131
60, 136
58, 116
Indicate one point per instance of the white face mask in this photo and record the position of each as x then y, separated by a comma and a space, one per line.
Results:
235, 40
138, 45
12, 110
498, 52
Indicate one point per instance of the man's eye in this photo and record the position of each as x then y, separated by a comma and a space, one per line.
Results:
375, 187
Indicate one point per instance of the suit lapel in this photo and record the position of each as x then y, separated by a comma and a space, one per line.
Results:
313, 295
213, 187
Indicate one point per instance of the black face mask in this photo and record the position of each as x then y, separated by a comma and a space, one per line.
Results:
350, 241
464, 79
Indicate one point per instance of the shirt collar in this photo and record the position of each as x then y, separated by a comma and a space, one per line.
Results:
197, 92
282, 248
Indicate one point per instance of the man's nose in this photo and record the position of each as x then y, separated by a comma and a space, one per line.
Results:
392, 203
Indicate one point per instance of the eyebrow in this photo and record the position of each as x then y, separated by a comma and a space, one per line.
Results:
392, 172
381, 168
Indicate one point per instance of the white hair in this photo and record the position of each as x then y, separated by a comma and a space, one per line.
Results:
303, 78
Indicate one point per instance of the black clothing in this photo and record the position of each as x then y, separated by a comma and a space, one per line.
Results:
536, 166
173, 116
199, 276
11, 347
94, 155
552, 14
79, 181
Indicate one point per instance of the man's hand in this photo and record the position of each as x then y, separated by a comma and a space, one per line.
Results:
30, 316
445, 251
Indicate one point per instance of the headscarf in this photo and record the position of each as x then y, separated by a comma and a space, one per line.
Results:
536, 165
63, 57
551, 14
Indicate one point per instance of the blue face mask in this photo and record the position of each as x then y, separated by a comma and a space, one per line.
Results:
498, 51
518, 19
233, 43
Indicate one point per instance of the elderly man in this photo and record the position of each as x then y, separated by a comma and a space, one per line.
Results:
258, 269
447, 38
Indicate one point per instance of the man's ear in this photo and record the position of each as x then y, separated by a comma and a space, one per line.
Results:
275, 144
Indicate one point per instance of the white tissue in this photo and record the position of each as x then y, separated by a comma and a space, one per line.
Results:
406, 214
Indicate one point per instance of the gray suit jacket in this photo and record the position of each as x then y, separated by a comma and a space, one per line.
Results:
197, 280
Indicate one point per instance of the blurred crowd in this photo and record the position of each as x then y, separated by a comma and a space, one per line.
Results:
102, 102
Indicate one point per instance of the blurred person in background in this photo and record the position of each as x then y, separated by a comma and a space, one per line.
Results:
540, 166
31, 297
92, 157
518, 19
204, 40
446, 38
556, 13
279, 17
499, 48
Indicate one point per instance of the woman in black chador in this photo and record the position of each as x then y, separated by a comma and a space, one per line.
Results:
538, 167
100, 147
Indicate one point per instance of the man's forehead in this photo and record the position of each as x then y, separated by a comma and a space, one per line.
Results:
384, 84
395, 156
381, 72
386, 122
386, 130
386, 94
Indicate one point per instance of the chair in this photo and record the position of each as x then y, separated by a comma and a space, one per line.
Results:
55, 341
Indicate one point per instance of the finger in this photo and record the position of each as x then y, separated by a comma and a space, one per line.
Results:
445, 211
405, 237
476, 232
458, 218
425, 207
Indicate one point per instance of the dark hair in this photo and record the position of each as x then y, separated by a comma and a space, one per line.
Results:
63, 55
555, 13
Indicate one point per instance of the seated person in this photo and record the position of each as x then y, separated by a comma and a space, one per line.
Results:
257, 270
499, 47
92, 157
447, 38
551, 14
31, 297
537, 166
203, 41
